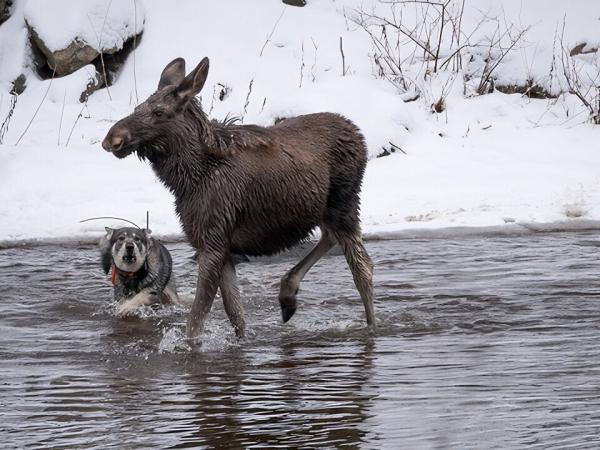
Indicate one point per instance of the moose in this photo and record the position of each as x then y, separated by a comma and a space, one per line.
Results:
247, 189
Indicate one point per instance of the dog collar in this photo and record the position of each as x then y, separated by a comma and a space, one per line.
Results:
116, 271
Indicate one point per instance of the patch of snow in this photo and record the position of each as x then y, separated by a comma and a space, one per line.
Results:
13, 41
494, 161
102, 24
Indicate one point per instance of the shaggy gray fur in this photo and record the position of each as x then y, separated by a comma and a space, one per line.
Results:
142, 266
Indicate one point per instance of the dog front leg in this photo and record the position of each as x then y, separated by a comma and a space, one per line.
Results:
144, 297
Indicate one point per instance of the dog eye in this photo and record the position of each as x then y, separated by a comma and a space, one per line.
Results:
121, 238
136, 239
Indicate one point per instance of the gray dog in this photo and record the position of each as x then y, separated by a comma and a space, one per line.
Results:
141, 269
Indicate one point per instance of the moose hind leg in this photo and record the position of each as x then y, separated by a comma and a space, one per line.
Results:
291, 280
231, 298
361, 267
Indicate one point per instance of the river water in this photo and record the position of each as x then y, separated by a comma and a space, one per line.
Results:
483, 342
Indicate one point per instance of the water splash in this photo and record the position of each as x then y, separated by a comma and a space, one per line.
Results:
173, 341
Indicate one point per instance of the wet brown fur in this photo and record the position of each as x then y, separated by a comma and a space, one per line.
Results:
249, 189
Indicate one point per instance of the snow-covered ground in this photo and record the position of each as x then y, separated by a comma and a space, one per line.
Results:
493, 160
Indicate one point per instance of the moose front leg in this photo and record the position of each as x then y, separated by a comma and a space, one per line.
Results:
210, 266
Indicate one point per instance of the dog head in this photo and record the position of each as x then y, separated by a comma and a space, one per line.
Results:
126, 248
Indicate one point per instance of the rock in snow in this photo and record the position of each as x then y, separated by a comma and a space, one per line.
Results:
5, 9
88, 28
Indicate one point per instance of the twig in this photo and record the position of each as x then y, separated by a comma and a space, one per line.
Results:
248, 96
343, 58
102, 51
75, 123
37, 109
212, 100
272, 31
423, 2
394, 146
62, 111
437, 51
263, 105
137, 100
99, 38
574, 84
302, 65
6, 122
409, 35
314, 66
489, 69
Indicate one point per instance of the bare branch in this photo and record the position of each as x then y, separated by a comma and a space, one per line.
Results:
37, 109
62, 112
271, 33
75, 123
301, 65
137, 100
343, 58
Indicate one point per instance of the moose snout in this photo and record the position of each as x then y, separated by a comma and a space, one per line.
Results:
115, 139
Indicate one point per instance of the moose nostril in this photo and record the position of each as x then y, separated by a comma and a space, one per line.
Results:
115, 139
117, 142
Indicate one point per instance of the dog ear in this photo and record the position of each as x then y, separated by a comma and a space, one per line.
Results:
105, 252
148, 235
106, 261
109, 232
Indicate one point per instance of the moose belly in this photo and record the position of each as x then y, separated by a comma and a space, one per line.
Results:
272, 236
272, 220
276, 226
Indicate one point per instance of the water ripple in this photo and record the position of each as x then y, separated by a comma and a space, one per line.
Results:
482, 343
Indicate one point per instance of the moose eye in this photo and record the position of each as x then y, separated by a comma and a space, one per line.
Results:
158, 113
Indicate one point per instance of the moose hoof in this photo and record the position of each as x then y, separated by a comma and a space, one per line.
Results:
195, 344
240, 333
288, 307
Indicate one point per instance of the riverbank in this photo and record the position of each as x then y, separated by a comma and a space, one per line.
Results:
493, 161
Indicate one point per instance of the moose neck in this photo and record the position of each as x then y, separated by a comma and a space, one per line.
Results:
182, 158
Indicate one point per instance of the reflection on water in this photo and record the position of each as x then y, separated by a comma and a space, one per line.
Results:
482, 343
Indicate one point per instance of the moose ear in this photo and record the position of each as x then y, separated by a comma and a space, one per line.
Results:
193, 83
172, 74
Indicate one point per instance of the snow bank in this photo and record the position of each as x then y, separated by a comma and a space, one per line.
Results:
495, 161
102, 24
13, 40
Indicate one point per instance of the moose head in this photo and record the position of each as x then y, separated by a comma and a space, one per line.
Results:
162, 114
